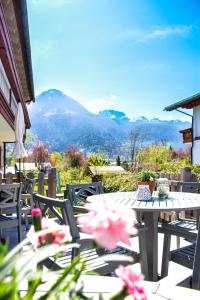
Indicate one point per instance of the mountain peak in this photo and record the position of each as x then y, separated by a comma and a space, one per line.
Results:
52, 93
114, 114
55, 102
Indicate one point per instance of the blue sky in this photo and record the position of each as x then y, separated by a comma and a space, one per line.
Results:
136, 56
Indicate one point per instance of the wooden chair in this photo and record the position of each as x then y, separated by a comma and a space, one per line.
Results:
78, 193
185, 228
182, 227
189, 257
10, 203
27, 198
63, 211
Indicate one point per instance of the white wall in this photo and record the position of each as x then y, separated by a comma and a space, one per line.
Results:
1, 158
196, 133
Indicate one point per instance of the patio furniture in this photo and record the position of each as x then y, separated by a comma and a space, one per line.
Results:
188, 256
150, 209
78, 193
10, 201
27, 198
182, 227
62, 209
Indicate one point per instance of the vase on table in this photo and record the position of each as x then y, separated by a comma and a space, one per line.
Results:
151, 185
143, 192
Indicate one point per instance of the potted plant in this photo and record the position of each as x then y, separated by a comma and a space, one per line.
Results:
147, 177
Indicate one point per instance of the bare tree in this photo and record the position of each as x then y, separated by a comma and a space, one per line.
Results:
137, 138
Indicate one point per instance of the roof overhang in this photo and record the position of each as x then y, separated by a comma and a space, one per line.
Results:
187, 103
17, 21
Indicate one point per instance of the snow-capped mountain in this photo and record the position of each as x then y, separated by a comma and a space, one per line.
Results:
60, 121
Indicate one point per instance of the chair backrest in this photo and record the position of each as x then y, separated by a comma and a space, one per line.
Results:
188, 187
196, 264
10, 195
78, 193
61, 209
28, 186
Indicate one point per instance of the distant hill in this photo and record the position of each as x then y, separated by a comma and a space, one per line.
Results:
60, 121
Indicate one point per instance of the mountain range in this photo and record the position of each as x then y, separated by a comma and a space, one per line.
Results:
59, 121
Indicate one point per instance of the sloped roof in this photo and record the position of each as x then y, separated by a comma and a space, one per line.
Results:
26, 166
188, 103
100, 170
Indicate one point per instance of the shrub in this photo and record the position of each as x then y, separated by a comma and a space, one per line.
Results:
74, 175
97, 160
119, 182
74, 158
196, 171
171, 167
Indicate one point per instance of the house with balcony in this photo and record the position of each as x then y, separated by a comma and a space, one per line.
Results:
190, 135
16, 78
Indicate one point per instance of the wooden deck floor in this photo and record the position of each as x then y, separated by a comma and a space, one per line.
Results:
167, 287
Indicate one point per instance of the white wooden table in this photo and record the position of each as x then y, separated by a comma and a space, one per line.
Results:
177, 201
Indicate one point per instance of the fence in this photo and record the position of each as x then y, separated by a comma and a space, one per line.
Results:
50, 181
185, 175
48, 184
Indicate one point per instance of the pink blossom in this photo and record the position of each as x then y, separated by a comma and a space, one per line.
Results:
57, 234
132, 282
108, 223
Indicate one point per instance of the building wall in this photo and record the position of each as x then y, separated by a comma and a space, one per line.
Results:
1, 156
196, 135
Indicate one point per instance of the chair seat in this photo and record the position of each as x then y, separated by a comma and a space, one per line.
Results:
8, 221
93, 260
186, 228
184, 256
12, 210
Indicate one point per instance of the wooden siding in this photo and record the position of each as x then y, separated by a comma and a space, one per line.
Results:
187, 135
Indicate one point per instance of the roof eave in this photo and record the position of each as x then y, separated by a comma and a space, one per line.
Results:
20, 7
183, 103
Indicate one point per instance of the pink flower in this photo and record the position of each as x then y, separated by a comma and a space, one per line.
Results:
108, 223
57, 234
132, 282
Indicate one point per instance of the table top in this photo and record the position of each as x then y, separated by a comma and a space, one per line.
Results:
177, 201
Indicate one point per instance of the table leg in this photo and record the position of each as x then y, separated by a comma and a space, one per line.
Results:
151, 222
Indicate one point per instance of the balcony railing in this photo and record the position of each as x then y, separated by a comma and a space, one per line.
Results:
4, 84
6, 90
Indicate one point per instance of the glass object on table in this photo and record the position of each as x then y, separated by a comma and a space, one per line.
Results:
163, 190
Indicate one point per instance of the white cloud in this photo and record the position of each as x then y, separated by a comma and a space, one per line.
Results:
181, 30
113, 97
185, 119
98, 104
139, 35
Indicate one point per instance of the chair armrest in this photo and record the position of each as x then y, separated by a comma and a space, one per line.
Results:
80, 209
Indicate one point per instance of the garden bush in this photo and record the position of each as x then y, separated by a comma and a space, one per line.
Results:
74, 175
196, 171
119, 182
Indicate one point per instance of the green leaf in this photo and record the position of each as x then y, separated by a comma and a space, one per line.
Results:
60, 280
